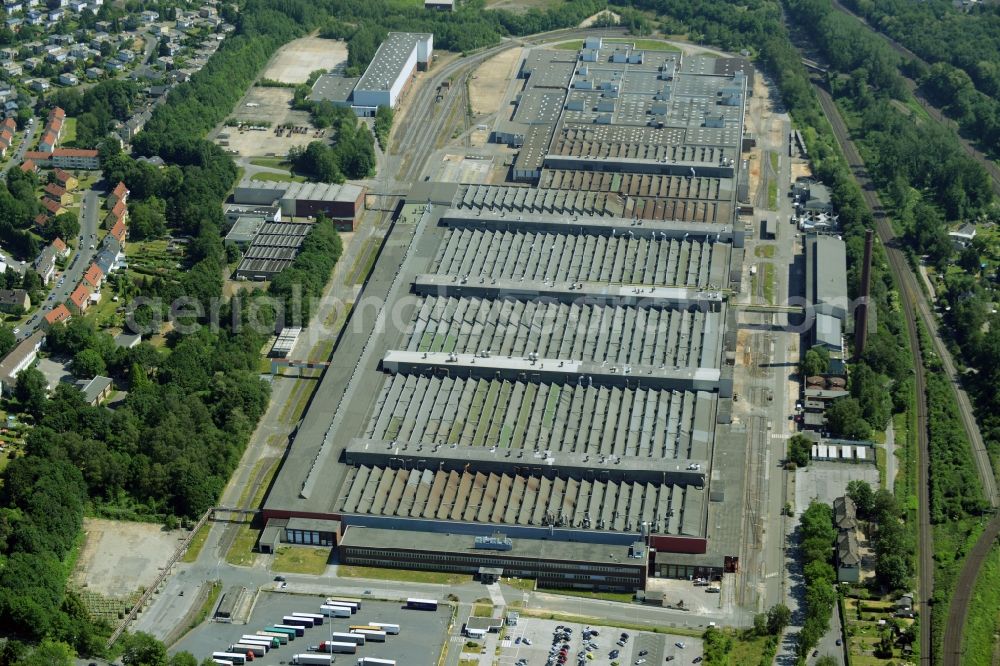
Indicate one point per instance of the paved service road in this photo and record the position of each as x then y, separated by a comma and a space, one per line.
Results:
29, 139
78, 264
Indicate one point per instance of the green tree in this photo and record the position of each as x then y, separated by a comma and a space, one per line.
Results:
760, 624
89, 363
778, 617
864, 497
799, 450
815, 362
31, 391
826, 660
7, 339
142, 649
49, 653
183, 659
844, 419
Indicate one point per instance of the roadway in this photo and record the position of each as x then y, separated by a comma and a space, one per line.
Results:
85, 251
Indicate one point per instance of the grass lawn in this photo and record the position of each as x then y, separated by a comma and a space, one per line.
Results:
772, 194
749, 651
482, 610
240, 552
644, 44
363, 261
769, 283
197, 543
279, 177
774, 161
980, 644
605, 622
208, 604
622, 597
520, 583
301, 559
405, 575
766, 251
69, 131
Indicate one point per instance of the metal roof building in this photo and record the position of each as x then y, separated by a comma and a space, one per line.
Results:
390, 70
826, 275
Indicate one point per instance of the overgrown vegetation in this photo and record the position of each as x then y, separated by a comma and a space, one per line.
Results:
818, 536
383, 125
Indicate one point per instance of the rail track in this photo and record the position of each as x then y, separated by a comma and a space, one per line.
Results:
909, 292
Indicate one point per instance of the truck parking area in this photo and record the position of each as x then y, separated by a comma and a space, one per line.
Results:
422, 633
640, 647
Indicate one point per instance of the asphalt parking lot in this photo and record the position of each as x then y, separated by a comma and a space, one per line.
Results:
421, 635
657, 647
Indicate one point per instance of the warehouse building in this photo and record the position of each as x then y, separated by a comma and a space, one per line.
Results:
826, 290
561, 369
273, 249
341, 203
392, 69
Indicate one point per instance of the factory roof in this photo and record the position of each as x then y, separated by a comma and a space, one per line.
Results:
461, 543
332, 87
828, 331
389, 60
313, 524
244, 229
828, 256
346, 192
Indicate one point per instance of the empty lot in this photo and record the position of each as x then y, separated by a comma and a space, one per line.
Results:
296, 60
120, 557
271, 105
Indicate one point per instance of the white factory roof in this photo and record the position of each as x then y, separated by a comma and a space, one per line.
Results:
389, 60
310, 191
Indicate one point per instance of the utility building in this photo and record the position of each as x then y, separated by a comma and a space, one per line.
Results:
392, 68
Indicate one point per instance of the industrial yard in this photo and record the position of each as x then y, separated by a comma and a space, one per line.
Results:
296, 60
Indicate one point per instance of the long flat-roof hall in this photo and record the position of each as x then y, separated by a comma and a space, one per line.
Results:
560, 378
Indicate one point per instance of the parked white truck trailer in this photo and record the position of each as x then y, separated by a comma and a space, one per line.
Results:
335, 611
313, 659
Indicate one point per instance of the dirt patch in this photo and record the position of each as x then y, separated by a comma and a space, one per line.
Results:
119, 557
266, 105
297, 59
800, 169
591, 20
489, 82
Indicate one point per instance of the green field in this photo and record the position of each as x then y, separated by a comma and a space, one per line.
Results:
279, 177
69, 131
197, 543
769, 283
980, 646
772, 194
644, 44
301, 559
766, 251
240, 552
621, 597
405, 575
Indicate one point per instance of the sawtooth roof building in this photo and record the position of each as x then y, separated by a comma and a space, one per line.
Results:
561, 371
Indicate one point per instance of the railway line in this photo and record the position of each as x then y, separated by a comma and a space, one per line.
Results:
910, 292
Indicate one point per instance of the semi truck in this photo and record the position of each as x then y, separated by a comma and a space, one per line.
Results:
337, 637
269, 641
235, 657
353, 604
313, 659
336, 647
335, 611
317, 618
386, 627
249, 648
297, 629
372, 661
295, 620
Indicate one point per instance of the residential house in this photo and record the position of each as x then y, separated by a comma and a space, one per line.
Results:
94, 276
45, 264
125, 56
118, 212
166, 62
963, 236
39, 85
848, 557
113, 66
110, 256
66, 158
66, 179
34, 17
80, 297
96, 390
19, 358
845, 513
58, 193
127, 340
62, 250
14, 300
56, 15
118, 195
14, 23
57, 315
149, 16
29, 165
77, 5
13, 69
48, 142
41, 220
53, 207
94, 72
119, 231
68, 79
